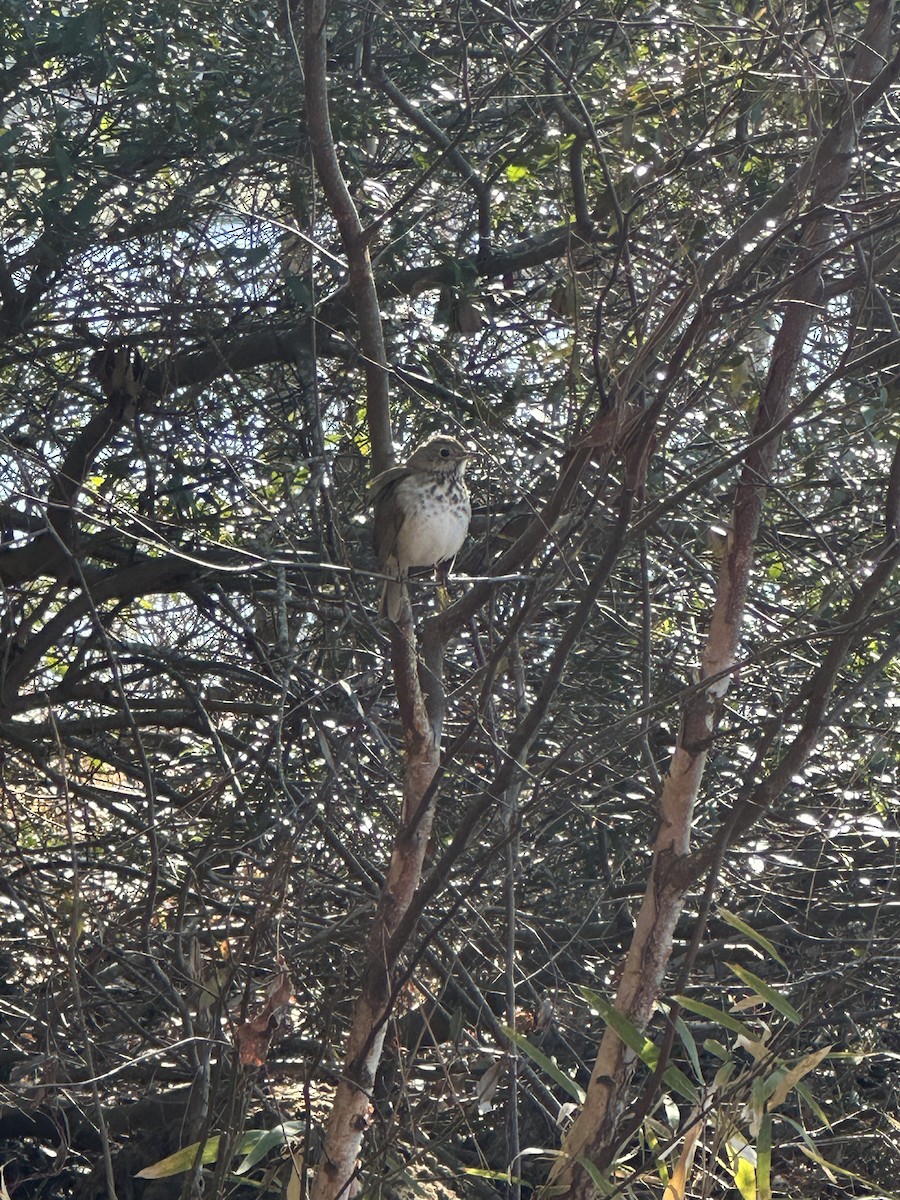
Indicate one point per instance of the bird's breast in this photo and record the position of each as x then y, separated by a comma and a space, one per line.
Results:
436, 519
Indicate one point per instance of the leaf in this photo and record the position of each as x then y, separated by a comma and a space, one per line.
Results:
726, 1020
723, 1075
546, 1064
499, 1176
758, 1092
808, 1063
184, 1159
812, 1104
749, 932
676, 1185
266, 1140
676, 1079
740, 375
252, 1037
598, 1179
745, 1177
832, 1170
764, 1159
767, 992
643, 1047
687, 1040
628, 1032
295, 1183
487, 1086
516, 173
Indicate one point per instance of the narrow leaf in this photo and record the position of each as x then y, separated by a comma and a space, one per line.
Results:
182, 1160
792, 1077
643, 1047
677, 1184
749, 932
726, 1020
745, 1178
546, 1064
767, 992
813, 1105
764, 1159
264, 1141
598, 1179
678, 1082
757, 1104
487, 1087
832, 1170
687, 1040
498, 1176
629, 1033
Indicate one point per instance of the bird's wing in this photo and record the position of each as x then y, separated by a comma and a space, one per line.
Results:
388, 517
384, 480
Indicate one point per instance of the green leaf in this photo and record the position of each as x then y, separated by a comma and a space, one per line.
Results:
806, 1095
726, 1020
546, 1064
676, 1079
184, 1159
764, 1159
598, 1179
749, 932
687, 1040
516, 173
643, 1047
832, 1168
266, 1139
498, 1176
767, 992
628, 1032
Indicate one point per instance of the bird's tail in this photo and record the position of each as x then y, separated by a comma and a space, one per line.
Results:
392, 600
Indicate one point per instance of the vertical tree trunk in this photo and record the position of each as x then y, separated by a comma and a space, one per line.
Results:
592, 1137
349, 1116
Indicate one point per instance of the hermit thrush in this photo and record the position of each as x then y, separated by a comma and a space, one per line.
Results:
421, 513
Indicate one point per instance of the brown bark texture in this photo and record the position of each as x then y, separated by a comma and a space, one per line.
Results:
592, 1138
422, 716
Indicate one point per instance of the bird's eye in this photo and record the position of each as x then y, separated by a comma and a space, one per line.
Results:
445, 453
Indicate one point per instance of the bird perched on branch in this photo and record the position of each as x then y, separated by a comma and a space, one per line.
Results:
422, 513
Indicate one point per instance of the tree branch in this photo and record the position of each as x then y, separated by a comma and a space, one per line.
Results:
362, 283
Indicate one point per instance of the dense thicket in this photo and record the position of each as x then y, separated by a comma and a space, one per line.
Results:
586, 224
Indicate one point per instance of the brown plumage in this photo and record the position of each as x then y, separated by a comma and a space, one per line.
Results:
422, 513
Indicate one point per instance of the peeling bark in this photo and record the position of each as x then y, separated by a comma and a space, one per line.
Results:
593, 1136
350, 1113
420, 700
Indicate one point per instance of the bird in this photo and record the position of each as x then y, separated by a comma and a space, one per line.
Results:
422, 513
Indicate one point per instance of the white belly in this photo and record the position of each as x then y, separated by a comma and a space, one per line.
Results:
434, 532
